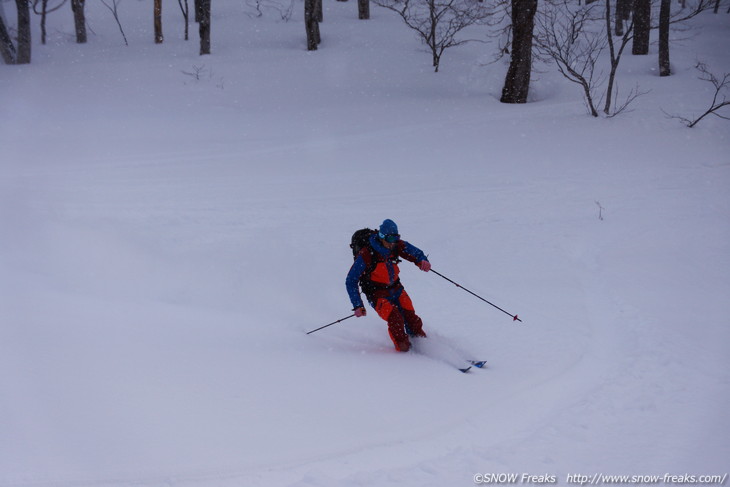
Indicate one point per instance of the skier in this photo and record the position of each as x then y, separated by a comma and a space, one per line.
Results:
376, 269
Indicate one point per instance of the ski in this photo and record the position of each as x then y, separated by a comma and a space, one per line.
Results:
443, 351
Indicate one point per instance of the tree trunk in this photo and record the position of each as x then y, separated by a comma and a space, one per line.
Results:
320, 12
44, 12
642, 27
623, 11
158, 22
77, 7
614, 63
7, 49
432, 38
363, 9
311, 24
24, 44
203, 13
186, 15
517, 83
664, 67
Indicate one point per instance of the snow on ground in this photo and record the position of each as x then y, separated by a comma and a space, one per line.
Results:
167, 242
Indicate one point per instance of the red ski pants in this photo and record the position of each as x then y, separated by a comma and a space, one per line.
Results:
402, 320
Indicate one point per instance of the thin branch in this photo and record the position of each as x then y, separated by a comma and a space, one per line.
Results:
113, 9
719, 100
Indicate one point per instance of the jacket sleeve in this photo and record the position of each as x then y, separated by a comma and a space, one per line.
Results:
352, 282
412, 253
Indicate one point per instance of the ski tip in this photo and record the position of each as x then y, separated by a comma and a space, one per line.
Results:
465, 370
478, 363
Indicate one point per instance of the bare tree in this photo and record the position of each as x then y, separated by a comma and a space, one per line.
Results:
40, 7
157, 8
623, 14
363, 9
7, 49
115, 12
574, 37
202, 16
438, 23
615, 53
642, 27
283, 8
311, 25
664, 15
517, 83
77, 7
24, 44
566, 34
184, 8
667, 19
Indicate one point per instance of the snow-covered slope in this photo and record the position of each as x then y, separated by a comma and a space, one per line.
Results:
166, 242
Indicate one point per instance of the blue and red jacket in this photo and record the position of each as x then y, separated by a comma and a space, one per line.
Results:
379, 269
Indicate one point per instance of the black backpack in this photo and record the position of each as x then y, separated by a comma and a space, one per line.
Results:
360, 240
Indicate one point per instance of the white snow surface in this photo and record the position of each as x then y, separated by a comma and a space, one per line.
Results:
166, 242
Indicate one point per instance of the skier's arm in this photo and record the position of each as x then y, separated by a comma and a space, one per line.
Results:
352, 282
415, 255
412, 253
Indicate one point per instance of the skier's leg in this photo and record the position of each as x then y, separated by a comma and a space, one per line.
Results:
396, 328
413, 323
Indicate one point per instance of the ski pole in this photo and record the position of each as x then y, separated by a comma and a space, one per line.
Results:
330, 324
514, 317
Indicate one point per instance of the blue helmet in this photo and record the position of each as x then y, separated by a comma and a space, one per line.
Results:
388, 229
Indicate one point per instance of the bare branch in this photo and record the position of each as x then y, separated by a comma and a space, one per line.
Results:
438, 23
635, 93
115, 13
719, 99
564, 35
